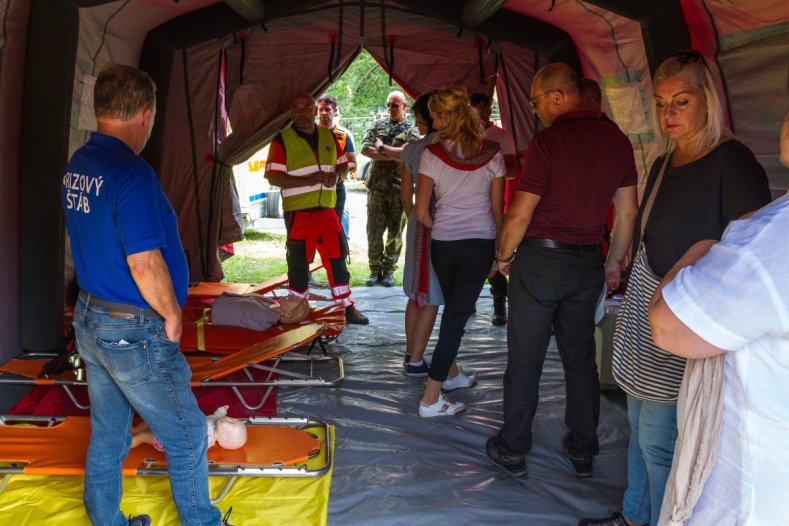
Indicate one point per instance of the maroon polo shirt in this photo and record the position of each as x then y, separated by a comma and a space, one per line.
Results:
576, 165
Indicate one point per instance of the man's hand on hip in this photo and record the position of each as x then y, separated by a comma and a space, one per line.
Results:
173, 328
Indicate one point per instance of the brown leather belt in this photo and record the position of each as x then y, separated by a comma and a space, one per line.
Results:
550, 243
118, 310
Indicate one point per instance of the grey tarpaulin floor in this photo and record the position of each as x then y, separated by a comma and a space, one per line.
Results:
393, 467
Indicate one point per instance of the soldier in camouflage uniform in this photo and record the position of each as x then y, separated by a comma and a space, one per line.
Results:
384, 206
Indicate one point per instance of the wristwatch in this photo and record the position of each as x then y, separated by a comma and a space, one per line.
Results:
381, 148
505, 261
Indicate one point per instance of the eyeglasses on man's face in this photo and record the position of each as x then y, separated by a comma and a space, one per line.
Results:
393, 104
533, 100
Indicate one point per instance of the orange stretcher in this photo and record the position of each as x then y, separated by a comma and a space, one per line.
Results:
199, 334
276, 447
283, 368
219, 338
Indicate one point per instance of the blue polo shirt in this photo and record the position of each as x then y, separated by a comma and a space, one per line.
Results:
115, 207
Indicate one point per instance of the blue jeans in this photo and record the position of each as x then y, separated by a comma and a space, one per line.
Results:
653, 432
132, 367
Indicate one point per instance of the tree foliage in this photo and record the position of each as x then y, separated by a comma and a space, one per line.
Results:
361, 93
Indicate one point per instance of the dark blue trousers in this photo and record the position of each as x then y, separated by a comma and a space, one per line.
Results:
461, 267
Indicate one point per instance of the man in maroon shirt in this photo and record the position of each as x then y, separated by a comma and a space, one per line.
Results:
574, 169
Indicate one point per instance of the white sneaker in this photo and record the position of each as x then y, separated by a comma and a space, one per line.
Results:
460, 381
444, 407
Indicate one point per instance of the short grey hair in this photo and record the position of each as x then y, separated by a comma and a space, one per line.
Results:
122, 91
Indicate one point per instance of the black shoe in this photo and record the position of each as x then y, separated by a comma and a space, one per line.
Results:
514, 465
387, 280
140, 520
615, 519
417, 371
373, 280
407, 358
581, 465
499, 310
355, 317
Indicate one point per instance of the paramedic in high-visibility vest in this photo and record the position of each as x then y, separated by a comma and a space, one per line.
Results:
305, 161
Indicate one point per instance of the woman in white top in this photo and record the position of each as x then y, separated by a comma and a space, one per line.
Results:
467, 175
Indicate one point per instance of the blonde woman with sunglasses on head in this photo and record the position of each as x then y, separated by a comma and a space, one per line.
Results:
467, 175
705, 179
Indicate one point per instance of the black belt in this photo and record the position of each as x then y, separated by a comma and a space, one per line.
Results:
596, 248
114, 308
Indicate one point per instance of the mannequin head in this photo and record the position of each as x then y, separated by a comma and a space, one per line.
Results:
293, 309
230, 433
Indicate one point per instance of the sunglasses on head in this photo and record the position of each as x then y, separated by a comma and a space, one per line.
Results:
393, 104
689, 56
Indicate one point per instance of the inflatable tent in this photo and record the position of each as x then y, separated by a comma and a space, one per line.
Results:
241, 61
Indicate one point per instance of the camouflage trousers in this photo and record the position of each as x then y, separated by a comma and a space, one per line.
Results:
384, 215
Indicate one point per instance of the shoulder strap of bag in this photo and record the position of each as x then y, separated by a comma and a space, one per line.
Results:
653, 193
401, 126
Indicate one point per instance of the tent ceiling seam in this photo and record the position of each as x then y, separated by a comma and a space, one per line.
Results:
104, 34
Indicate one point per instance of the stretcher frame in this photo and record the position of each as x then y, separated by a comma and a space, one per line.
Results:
200, 335
138, 463
210, 289
209, 371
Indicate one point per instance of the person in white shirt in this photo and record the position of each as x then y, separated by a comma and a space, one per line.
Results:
732, 298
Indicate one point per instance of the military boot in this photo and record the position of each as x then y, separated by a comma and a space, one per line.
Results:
387, 280
374, 279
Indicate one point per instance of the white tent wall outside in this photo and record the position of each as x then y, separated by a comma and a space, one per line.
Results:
181, 45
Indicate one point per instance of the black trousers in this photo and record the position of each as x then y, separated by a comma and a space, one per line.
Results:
498, 284
461, 268
559, 287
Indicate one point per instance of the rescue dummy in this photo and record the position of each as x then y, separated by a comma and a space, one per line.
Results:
226, 431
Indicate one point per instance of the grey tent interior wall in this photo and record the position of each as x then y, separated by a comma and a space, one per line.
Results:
662, 25
157, 57
48, 86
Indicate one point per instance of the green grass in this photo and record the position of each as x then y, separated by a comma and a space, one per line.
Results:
245, 269
253, 270
251, 234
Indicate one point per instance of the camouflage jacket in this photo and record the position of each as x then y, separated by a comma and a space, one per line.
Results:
384, 175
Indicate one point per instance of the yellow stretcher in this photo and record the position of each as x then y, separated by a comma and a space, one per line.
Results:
276, 447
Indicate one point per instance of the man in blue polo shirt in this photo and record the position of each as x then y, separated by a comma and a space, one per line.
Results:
132, 275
